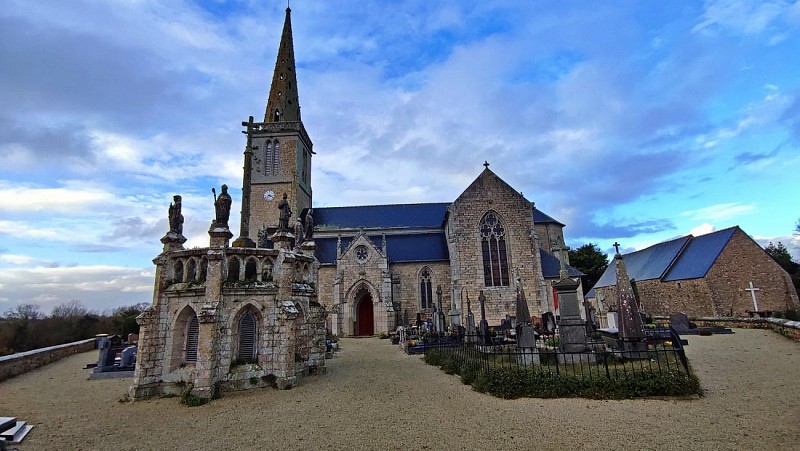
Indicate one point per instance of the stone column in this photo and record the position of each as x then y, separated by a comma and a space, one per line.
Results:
244, 226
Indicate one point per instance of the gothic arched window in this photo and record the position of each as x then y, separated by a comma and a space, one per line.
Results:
425, 290
247, 338
268, 156
276, 157
493, 246
192, 338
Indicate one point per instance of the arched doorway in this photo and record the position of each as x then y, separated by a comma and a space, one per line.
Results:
365, 319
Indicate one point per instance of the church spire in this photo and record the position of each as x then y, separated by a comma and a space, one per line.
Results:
283, 104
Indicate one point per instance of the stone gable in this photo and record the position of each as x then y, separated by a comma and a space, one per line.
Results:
490, 193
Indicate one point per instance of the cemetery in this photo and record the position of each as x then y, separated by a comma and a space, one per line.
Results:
633, 360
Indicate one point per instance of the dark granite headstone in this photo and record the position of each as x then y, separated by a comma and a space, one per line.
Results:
680, 322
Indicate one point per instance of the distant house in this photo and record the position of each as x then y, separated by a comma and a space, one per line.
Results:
717, 274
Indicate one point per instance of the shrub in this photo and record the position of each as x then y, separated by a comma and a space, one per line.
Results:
190, 400
539, 381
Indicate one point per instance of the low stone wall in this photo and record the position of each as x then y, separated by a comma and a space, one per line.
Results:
782, 326
22, 362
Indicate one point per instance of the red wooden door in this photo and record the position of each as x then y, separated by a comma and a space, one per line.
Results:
365, 324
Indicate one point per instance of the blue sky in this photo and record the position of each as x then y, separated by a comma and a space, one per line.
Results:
628, 121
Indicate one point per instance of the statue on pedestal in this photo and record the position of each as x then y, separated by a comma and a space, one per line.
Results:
309, 227
222, 207
175, 216
286, 213
298, 232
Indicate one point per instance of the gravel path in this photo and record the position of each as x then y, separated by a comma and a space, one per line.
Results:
376, 397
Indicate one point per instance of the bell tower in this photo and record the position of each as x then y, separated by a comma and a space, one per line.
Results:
278, 153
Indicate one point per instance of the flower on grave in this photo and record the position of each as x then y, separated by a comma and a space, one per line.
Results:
668, 343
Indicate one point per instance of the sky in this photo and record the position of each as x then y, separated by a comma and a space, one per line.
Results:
632, 121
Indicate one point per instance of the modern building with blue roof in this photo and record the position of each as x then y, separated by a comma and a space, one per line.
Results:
724, 273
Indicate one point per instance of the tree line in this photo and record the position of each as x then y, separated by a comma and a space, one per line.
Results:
25, 327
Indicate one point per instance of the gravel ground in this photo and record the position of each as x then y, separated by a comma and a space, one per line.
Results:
376, 397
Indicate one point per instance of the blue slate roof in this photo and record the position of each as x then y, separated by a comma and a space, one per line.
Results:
683, 258
647, 264
551, 266
419, 247
380, 216
698, 257
541, 217
393, 216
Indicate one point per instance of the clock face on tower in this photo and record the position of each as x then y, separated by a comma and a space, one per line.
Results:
269, 195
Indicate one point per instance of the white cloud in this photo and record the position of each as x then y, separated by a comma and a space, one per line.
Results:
703, 229
16, 259
99, 287
742, 16
720, 212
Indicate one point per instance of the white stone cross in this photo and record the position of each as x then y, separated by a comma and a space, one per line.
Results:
752, 291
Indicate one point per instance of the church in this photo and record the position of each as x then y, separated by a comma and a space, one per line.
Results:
255, 311
386, 265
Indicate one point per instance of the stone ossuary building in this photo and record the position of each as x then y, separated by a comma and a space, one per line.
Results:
255, 311
724, 273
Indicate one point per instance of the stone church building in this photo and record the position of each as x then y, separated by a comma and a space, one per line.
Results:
381, 265
724, 273
255, 311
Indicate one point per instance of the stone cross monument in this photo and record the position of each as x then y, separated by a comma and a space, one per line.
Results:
629, 321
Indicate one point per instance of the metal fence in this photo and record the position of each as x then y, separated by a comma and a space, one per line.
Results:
664, 354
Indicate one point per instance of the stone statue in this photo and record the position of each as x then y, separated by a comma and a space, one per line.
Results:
286, 213
222, 207
298, 232
309, 228
175, 216
263, 236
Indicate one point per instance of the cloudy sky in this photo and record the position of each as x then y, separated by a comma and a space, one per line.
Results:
628, 121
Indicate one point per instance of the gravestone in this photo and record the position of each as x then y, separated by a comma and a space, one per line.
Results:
484, 326
128, 357
611, 319
471, 331
455, 314
527, 352
571, 326
441, 327
630, 325
680, 322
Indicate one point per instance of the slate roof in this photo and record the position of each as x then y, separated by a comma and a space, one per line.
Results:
699, 255
688, 257
551, 266
542, 218
419, 247
380, 216
393, 216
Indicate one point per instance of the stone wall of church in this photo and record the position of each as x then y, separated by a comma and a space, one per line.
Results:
410, 296
490, 193
327, 274
743, 261
548, 234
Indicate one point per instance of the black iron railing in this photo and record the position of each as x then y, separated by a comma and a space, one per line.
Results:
661, 356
